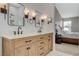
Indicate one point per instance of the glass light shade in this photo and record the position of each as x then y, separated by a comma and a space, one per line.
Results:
44, 17
26, 11
33, 13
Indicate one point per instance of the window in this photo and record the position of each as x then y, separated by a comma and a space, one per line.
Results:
67, 26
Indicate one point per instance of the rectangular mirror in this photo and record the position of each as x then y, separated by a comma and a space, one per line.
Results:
15, 14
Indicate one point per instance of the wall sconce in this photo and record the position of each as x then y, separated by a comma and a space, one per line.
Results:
33, 17
43, 18
3, 8
33, 14
30, 15
49, 20
26, 12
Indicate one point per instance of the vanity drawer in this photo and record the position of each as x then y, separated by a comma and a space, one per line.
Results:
28, 40
44, 37
42, 42
25, 41
32, 40
42, 50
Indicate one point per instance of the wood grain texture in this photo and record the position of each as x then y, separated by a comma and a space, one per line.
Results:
7, 47
38, 45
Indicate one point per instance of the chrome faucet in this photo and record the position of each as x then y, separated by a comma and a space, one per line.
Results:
40, 30
19, 28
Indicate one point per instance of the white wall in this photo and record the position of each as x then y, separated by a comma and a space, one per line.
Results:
78, 24
43, 8
0, 46
4, 29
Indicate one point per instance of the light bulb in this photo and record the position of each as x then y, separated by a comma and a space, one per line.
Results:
26, 11
44, 17
33, 13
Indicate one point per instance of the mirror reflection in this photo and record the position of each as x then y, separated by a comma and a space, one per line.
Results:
15, 14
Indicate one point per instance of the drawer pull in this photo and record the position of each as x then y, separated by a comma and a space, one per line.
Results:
42, 53
28, 48
41, 37
28, 41
41, 48
41, 42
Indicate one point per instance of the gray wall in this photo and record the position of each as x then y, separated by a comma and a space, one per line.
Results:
58, 18
75, 25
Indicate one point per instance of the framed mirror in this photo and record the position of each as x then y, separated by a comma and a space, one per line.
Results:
15, 14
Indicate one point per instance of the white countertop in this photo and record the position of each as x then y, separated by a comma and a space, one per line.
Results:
23, 35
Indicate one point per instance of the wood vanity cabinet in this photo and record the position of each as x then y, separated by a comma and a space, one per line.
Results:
21, 51
38, 45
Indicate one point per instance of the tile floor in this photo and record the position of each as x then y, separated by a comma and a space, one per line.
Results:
57, 53
65, 50
68, 48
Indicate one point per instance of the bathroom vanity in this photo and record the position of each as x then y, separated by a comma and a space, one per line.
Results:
27, 45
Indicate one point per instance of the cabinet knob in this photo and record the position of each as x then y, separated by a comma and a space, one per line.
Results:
48, 39
28, 48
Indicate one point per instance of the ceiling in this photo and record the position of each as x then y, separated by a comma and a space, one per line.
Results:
68, 9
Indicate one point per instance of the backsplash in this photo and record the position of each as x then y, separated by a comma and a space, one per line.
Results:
28, 28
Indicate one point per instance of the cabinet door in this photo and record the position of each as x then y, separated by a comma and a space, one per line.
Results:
21, 51
32, 50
